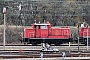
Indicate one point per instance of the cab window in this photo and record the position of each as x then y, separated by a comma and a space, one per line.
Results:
44, 27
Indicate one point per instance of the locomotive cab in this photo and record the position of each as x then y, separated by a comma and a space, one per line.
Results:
41, 29
37, 33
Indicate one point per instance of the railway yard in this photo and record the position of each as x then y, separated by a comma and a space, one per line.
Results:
44, 30
34, 52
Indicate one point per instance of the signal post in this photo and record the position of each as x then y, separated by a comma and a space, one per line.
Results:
4, 12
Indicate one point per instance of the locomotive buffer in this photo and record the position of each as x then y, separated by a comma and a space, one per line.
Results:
47, 48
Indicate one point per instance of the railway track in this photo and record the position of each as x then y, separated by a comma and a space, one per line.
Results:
40, 45
29, 47
36, 54
29, 51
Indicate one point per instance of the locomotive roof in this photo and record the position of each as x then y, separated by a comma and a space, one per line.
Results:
41, 24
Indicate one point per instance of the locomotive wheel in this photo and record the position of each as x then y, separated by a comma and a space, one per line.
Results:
57, 44
74, 42
85, 42
34, 43
25, 43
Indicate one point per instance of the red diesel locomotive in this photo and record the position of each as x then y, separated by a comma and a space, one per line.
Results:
84, 35
44, 33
